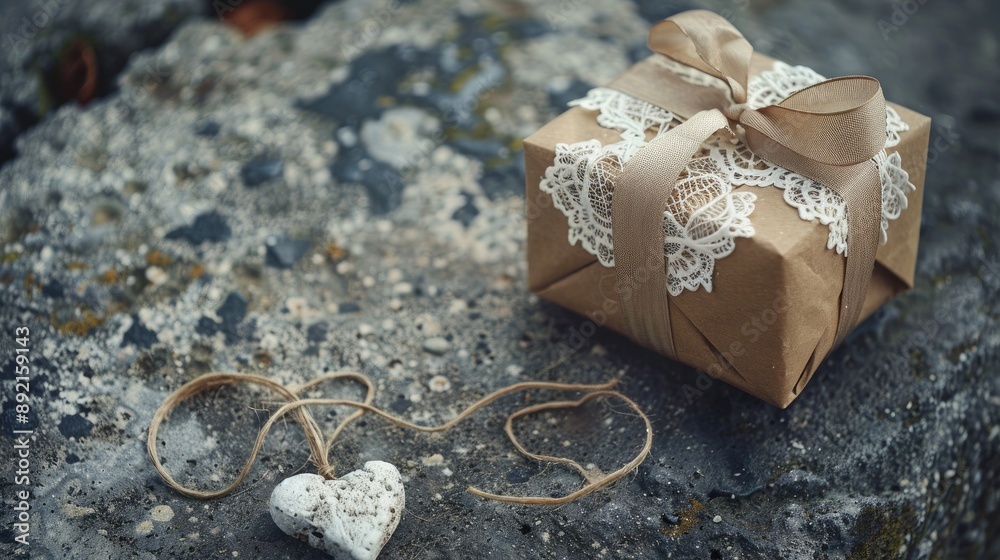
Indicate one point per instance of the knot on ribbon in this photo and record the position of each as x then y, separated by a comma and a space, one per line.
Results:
734, 110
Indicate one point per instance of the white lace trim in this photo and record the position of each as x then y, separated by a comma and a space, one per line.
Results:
703, 216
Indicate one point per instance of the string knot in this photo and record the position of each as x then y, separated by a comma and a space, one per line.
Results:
326, 471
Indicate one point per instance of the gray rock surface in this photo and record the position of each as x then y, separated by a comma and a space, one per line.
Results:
135, 247
36, 35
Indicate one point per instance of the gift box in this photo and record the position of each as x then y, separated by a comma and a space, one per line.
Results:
781, 230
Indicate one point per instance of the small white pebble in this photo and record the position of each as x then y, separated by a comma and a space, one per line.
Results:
717, 519
434, 460
429, 325
437, 345
162, 513
156, 275
297, 306
269, 342
439, 384
346, 136
402, 289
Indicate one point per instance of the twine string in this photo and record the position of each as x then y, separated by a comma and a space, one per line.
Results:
319, 447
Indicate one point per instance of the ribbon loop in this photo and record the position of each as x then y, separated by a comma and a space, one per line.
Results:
708, 42
836, 122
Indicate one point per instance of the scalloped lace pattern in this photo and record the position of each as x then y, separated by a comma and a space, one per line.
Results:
704, 216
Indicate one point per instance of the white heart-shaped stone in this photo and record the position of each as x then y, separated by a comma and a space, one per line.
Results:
352, 517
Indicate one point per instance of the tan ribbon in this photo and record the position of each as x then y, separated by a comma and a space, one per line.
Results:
828, 132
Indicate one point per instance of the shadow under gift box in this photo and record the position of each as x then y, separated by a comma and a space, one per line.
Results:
771, 317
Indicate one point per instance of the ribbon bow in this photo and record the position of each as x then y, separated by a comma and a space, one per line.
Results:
828, 132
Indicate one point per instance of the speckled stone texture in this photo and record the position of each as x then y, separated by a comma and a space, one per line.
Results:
38, 34
345, 193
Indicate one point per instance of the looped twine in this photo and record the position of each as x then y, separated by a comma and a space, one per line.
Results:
319, 447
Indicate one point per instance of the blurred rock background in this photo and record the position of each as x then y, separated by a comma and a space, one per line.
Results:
292, 188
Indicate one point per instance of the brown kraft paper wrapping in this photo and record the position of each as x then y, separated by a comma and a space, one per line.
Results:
772, 315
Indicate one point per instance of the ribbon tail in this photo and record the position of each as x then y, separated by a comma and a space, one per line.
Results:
863, 194
641, 192
861, 188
